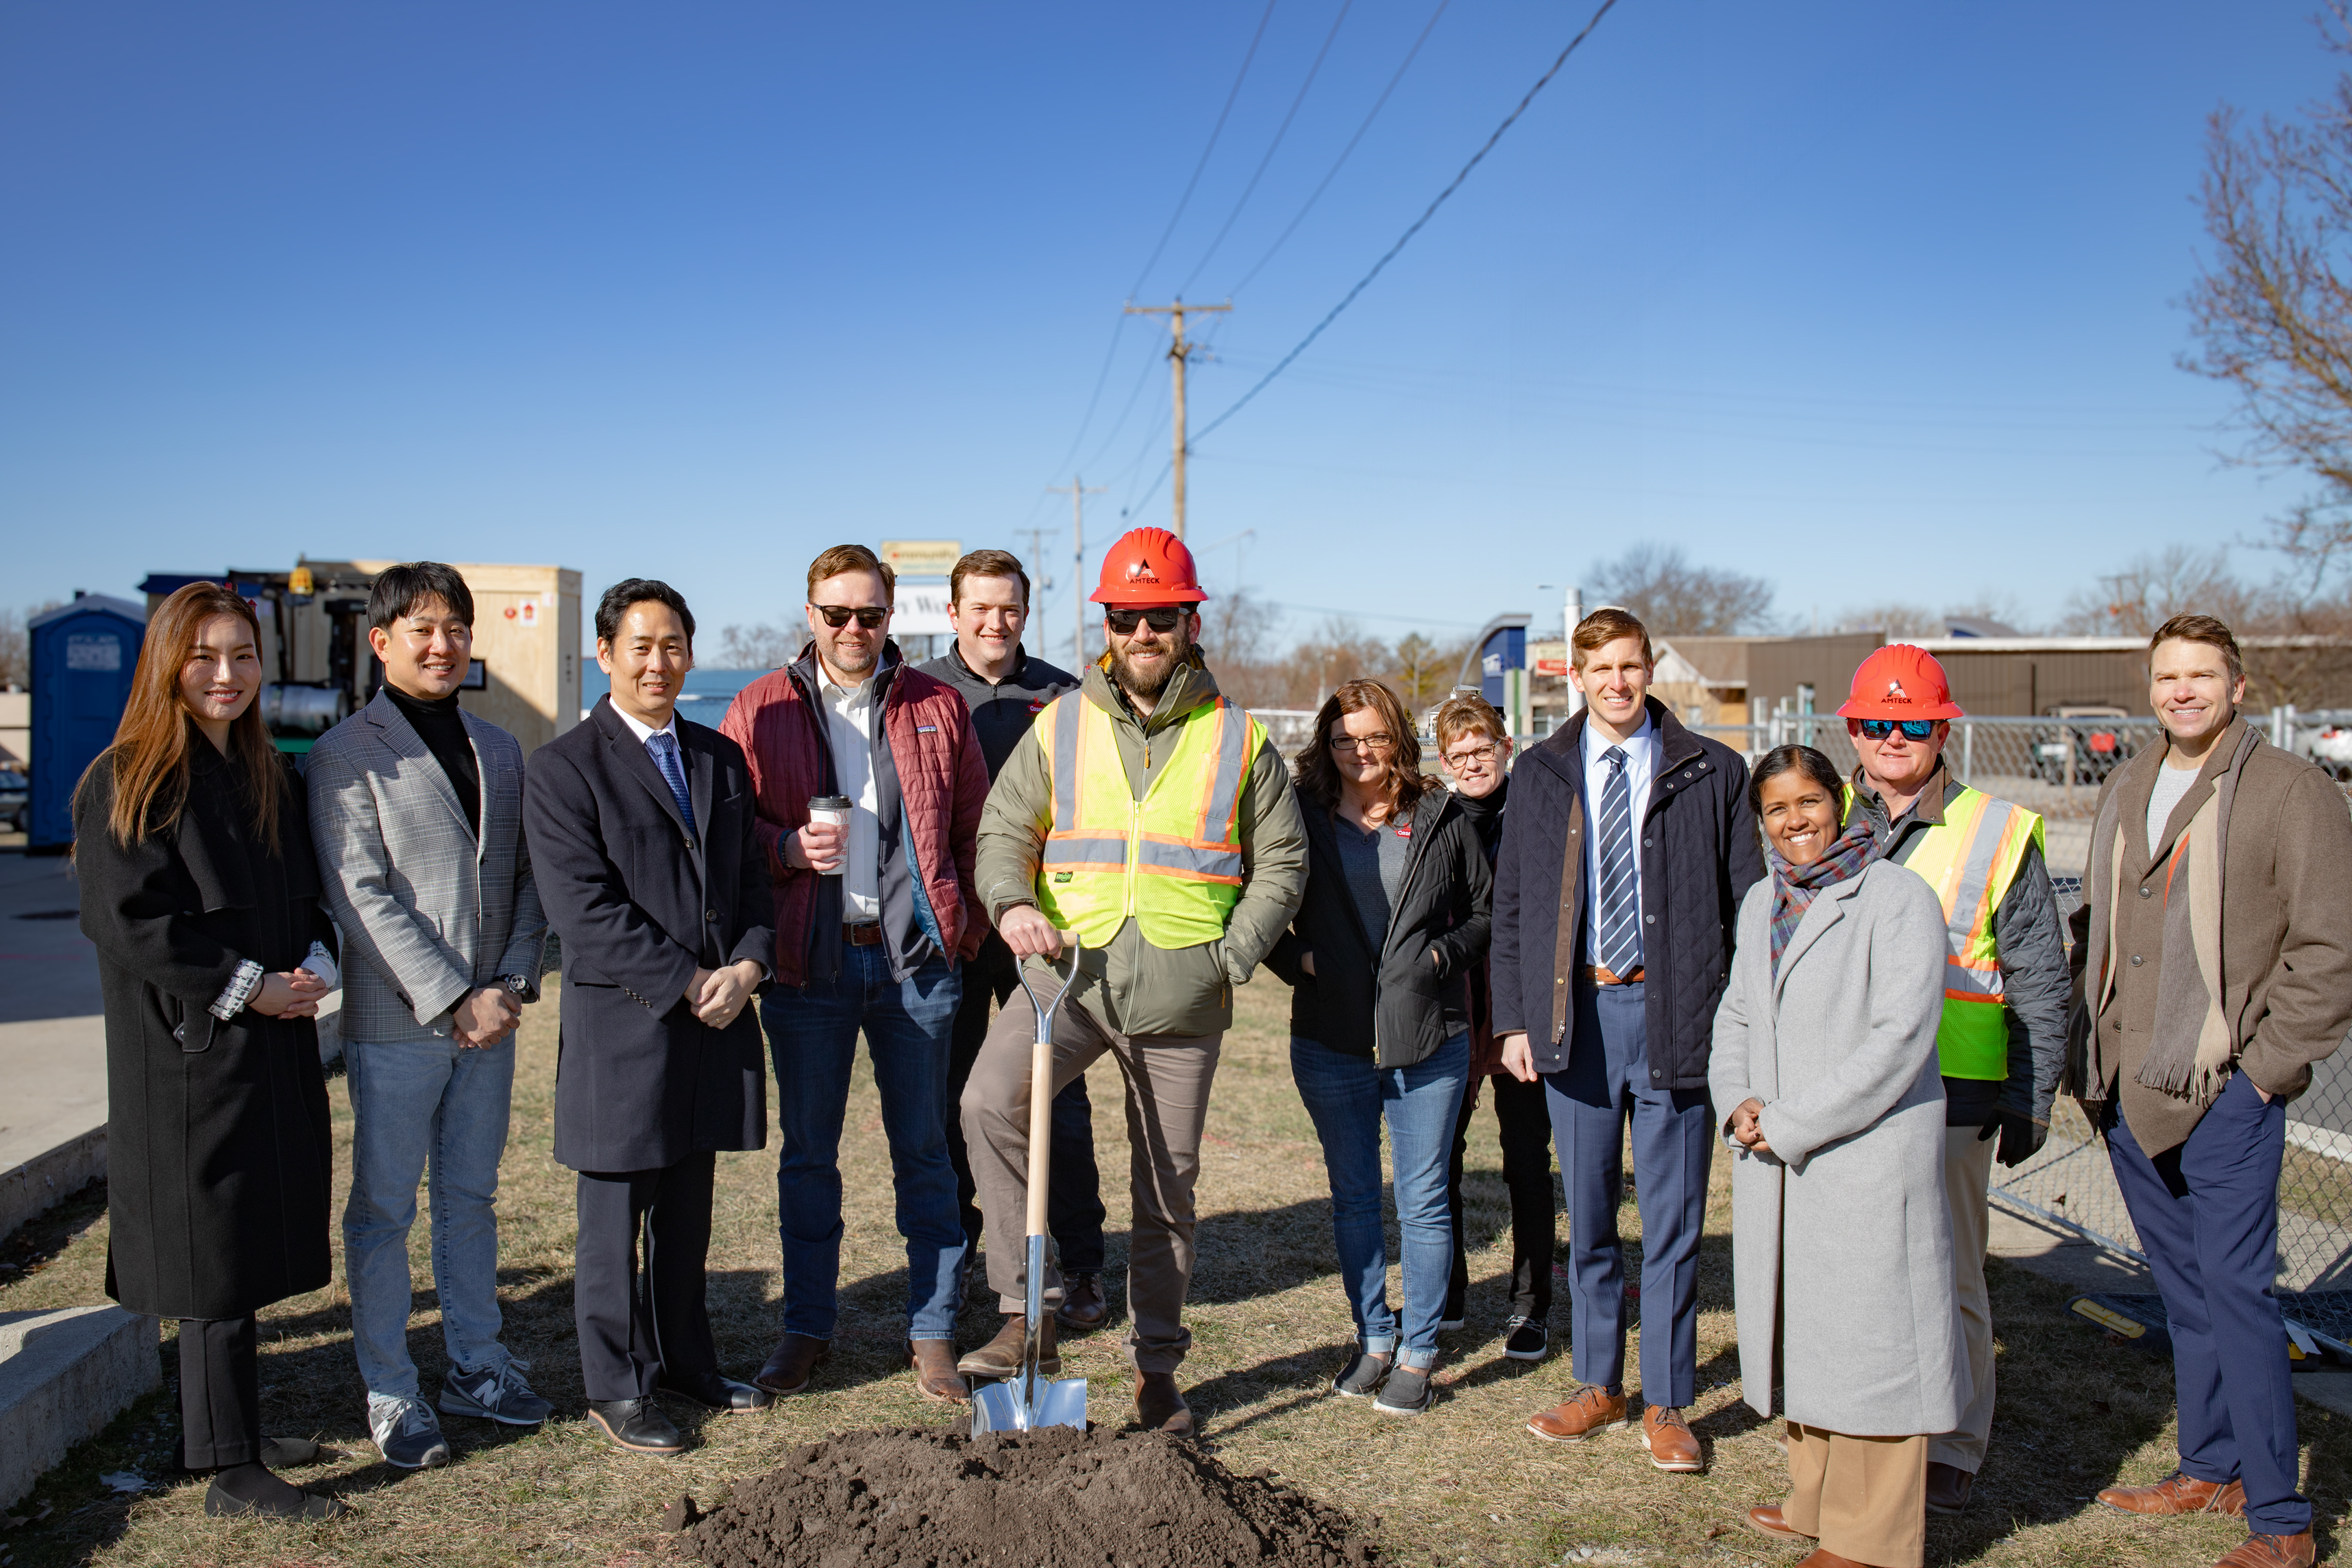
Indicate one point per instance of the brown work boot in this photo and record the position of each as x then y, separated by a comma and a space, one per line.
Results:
1767, 1520
2260, 1550
1592, 1410
1001, 1357
794, 1360
935, 1370
2177, 1494
1083, 1308
1159, 1405
1673, 1444
1947, 1488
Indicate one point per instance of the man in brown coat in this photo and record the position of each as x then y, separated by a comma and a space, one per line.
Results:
2213, 955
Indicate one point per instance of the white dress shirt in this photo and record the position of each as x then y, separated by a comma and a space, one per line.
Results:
1641, 764
645, 732
849, 729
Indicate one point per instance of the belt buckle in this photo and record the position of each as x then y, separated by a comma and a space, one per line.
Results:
862, 933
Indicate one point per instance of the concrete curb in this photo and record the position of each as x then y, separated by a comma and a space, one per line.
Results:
48, 1178
64, 1375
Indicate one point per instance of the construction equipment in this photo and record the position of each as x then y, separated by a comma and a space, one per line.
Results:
1023, 1401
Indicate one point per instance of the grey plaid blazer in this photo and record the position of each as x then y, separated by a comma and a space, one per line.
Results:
426, 913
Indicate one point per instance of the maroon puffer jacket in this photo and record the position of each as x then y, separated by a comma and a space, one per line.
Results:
942, 780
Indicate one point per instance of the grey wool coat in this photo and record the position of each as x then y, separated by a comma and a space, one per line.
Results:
428, 913
1841, 1238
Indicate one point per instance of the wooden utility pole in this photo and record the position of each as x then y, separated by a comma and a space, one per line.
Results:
1178, 352
1080, 490
1044, 579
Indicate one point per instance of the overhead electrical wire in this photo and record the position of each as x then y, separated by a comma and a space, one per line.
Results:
1413, 228
1272, 147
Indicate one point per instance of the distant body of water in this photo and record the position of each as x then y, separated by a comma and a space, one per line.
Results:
707, 692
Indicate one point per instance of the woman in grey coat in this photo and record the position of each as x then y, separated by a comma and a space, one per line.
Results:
1841, 1244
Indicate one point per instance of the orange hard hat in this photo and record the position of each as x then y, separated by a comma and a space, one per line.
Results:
1149, 566
1900, 681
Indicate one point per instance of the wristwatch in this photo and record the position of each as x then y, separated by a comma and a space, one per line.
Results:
516, 984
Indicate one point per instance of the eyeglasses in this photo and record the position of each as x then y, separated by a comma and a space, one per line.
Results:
1485, 753
1124, 622
1912, 729
837, 616
1350, 744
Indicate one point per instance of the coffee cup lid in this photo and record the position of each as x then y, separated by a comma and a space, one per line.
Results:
829, 803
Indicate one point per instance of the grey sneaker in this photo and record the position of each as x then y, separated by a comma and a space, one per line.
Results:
494, 1394
1406, 1391
1362, 1376
406, 1433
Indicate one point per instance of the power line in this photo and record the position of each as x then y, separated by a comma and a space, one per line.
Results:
1333, 172
1417, 225
1272, 148
1218, 130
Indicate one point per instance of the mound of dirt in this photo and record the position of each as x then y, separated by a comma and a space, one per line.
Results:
918, 1498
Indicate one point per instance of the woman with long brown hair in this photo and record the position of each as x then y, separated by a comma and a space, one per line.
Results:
201, 894
1397, 904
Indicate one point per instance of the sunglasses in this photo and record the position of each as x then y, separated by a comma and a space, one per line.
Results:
1912, 729
837, 616
1124, 622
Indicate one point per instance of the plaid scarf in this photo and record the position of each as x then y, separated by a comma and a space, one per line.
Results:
1793, 886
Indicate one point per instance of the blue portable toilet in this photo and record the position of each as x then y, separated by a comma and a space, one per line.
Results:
84, 655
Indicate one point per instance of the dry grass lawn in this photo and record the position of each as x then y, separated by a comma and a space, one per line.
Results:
1464, 1484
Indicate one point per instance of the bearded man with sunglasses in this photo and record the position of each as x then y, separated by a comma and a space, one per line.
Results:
1150, 815
874, 919
2002, 1039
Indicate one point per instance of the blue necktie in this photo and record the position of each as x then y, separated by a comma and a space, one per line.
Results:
663, 746
1617, 921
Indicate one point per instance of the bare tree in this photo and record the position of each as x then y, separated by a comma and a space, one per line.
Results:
764, 647
1238, 629
17, 643
2151, 590
1671, 596
2271, 308
1897, 620
1424, 670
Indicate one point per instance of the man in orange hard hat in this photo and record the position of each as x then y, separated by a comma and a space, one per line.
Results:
1150, 815
2002, 1039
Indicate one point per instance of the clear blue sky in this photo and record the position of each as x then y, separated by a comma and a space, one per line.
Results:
1877, 301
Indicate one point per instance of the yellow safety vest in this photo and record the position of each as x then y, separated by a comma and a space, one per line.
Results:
1970, 859
1171, 861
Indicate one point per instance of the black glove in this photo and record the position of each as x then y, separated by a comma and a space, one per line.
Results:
2022, 1137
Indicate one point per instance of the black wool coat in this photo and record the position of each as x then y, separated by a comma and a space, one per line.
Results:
1699, 855
1386, 999
219, 1153
640, 903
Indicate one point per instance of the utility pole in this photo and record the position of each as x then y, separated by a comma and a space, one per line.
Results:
1178, 352
1045, 581
1080, 490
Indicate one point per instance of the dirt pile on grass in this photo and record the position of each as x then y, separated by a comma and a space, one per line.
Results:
1053, 1498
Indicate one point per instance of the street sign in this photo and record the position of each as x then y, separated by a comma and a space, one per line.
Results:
922, 557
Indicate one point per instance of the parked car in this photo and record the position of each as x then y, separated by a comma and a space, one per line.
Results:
15, 800
2098, 748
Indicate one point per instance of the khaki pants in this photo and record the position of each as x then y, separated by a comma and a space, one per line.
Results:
1168, 1079
1968, 1179
1864, 1499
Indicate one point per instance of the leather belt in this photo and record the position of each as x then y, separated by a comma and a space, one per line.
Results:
866, 935
1602, 974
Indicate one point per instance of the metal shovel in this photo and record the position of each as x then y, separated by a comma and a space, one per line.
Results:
1024, 1401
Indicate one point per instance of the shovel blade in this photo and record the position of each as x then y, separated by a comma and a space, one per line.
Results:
999, 1407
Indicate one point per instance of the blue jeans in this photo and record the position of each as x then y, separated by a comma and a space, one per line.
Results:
813, 1037
1347, 1096
422, 1106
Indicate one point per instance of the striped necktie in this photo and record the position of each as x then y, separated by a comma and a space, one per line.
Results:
1617, 918
663, 746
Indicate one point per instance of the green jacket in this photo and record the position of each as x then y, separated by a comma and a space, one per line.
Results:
1132, 988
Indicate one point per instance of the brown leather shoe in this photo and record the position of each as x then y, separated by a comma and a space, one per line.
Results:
1673, 1444
789, 1367
1766, 1520
1159, 1405
1001, 1357
2260, 1550
1083, 1308
1947, 1488
935, 1370
2177, 1494
1592, 1410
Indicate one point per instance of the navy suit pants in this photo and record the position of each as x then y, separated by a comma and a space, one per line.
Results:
2207, 1214
1605, 1084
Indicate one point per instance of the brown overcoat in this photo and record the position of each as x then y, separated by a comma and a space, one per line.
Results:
2286, 934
